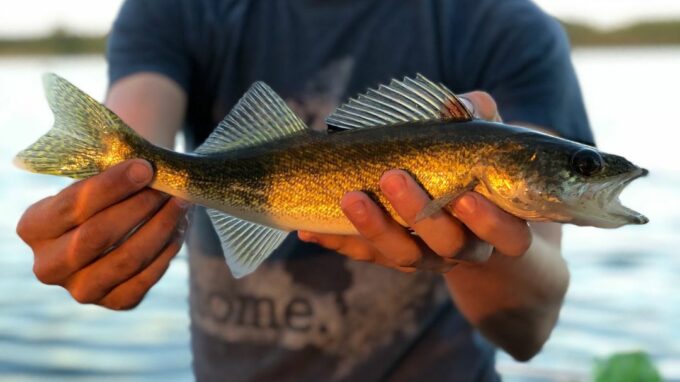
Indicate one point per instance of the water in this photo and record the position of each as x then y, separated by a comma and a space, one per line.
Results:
624, 290
43, 334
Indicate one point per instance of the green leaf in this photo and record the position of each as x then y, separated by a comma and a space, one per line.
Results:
626, 367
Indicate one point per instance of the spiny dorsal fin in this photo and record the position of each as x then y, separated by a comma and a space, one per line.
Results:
259, 116
245, 245
410, 100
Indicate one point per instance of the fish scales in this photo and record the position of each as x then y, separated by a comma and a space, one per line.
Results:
307, 181
298, 182
263, 173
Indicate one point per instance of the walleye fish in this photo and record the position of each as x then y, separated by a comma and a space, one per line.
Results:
263, 173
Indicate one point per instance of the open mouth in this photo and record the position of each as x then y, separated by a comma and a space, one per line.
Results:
608, 198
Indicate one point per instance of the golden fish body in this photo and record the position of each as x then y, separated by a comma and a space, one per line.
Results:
297, 183
262, 173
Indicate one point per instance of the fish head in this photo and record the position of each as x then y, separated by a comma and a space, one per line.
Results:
591, 194
564, 181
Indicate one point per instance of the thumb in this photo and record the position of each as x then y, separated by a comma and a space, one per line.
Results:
482, 105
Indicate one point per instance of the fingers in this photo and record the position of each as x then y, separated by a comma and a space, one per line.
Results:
382, 240
78, 202
440, 231
510, 235
483, 105
354, 247
385, 234
443, 234
96, 280
84, 244
130, 293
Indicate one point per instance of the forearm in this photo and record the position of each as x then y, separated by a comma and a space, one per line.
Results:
515, 301
151, 104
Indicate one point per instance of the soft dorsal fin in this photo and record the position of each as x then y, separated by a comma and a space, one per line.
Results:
259, 116
410, 100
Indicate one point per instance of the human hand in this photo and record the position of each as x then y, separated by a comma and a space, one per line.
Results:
475, 228
107, 239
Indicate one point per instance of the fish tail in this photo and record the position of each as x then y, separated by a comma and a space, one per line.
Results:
86, 137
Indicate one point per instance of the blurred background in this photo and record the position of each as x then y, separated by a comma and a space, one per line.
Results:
625, 289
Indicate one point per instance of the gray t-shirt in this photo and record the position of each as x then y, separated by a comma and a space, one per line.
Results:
308, 314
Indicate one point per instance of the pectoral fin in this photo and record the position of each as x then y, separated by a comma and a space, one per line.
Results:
437, 204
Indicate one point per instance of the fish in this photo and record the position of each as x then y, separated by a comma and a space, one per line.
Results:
263, 173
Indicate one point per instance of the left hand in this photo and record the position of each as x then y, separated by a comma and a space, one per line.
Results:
478, 227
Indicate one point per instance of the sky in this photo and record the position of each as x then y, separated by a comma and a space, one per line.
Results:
35, 17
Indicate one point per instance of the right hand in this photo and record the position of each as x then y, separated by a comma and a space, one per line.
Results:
82, 238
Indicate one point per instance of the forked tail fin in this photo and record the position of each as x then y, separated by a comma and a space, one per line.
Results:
86, 137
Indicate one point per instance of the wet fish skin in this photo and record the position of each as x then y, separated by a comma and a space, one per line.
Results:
291, 178
301, 180
297, 182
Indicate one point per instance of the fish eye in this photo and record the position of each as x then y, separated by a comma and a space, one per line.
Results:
587, 162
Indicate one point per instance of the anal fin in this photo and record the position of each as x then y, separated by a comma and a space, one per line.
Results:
245, 245
437, 204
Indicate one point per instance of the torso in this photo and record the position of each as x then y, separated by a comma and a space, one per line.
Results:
331, 318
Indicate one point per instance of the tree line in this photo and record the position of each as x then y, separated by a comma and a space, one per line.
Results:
62, 42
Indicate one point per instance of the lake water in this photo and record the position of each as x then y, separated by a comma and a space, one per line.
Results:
625, 288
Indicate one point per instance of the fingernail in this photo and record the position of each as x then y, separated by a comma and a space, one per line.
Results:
190, 214
394, 185
357, 210
182, 226
466, 205
468, 104
475, 251
307, 237
139, 172
181, 203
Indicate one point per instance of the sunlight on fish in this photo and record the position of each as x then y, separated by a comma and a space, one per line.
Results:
263, 173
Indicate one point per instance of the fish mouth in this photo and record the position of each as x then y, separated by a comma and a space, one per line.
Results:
608, 199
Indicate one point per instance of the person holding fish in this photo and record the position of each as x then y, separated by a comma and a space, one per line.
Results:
426, 229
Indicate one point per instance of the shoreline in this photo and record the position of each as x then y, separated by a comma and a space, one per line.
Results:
656, 34
575, 49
